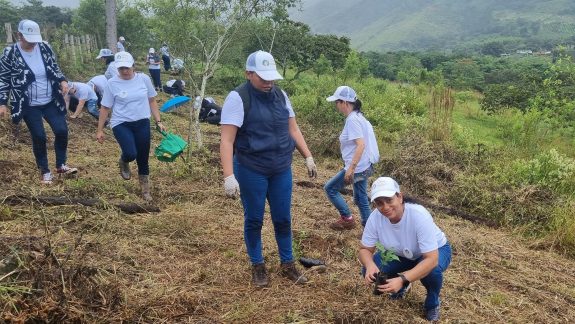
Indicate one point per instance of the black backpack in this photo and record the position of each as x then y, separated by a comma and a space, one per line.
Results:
242, 90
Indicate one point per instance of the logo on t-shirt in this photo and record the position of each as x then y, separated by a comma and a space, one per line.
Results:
407, 253
123, 94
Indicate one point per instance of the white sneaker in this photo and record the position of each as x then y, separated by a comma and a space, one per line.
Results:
64, 169
46, 178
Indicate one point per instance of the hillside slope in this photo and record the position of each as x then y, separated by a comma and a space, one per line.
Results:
422, 24
188, 262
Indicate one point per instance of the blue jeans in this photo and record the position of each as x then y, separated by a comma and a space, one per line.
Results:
254, 189
155, 74
33, 118
134, 140
334, 185
92, 107
432, 282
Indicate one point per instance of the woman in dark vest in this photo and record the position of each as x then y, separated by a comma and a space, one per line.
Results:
259, 134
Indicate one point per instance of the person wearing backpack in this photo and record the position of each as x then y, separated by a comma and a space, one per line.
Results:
359, 152
258, 135
153, 61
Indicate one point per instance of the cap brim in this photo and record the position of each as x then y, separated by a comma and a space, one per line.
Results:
383, 193
331, 98
124, 64
99, 57
269, 75
33, 38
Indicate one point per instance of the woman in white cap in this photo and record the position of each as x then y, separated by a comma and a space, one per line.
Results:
107, 57
408, 230
259, 134
153, 61
359, 152
131, 97
31, 78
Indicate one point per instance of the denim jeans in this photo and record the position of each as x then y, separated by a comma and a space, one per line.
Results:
432, 282
134, 140
155, 74
33, 118
92, 107
334, 185
254, 189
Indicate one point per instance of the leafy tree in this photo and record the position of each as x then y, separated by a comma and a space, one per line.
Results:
322, 66
202, 31
352, 67
46, 16
463, 74
90, 18
8, 14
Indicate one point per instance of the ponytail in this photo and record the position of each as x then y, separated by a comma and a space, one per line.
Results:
357, 106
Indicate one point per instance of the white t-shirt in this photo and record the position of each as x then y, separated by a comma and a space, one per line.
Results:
233, 109
120, 47
414, 234
39, 91
99, 82
83, 91
170, 83
128, 99
356, 127
112, 70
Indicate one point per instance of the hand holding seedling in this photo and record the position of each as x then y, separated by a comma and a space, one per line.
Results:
392, 285
371, 273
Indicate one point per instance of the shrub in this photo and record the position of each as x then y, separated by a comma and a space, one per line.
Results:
549, 170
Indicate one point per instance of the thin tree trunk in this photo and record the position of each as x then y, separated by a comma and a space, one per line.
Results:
111, 25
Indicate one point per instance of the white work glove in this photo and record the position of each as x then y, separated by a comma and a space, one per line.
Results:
311, 168
231, 186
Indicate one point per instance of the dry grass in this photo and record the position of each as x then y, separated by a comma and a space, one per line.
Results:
188, 262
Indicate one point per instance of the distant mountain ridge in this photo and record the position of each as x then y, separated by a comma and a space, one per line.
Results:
382, 25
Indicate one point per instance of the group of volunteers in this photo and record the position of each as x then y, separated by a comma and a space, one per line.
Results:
259, 134
31, 79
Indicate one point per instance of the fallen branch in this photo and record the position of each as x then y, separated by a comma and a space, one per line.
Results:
129, 208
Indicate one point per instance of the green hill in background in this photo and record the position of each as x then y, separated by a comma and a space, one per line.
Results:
382, 25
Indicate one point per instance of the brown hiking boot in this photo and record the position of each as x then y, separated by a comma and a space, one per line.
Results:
259, 275
342, 224
289, 271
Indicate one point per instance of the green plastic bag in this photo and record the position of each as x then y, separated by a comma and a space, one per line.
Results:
170, 147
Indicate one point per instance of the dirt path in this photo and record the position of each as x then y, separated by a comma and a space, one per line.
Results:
188, 262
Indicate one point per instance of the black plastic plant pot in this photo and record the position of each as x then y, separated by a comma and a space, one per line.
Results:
380, 279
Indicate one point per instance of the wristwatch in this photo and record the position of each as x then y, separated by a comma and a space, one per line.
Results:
405, 281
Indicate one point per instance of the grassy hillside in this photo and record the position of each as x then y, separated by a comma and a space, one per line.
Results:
422, 24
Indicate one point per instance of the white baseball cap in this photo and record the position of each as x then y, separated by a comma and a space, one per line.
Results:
30, 30
123, 59
344, 93
152, 50
384, 187
264, 65
104, 52
121, 38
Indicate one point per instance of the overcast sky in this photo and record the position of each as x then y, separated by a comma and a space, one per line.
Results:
58, 3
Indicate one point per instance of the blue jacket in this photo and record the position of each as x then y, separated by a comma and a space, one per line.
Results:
264, 143
16, 77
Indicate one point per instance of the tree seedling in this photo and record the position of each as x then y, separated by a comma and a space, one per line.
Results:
386, 256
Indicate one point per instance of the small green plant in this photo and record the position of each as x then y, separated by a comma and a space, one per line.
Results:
385, 255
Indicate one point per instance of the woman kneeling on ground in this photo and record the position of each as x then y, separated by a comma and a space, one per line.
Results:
409, 231
131, 97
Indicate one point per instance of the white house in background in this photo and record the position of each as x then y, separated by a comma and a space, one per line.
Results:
524, 52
